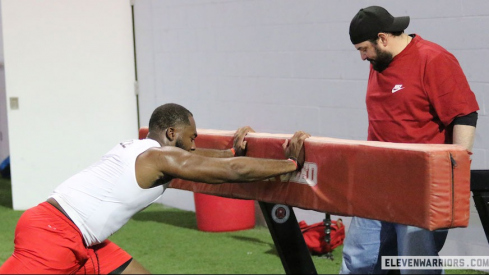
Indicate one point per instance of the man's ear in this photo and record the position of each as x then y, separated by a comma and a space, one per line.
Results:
170, 133
383, 38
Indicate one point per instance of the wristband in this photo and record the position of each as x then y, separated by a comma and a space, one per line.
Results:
233, 151
294, 161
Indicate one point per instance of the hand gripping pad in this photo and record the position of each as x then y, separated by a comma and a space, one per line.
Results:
425, 185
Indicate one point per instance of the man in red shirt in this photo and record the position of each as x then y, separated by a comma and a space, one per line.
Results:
416, 93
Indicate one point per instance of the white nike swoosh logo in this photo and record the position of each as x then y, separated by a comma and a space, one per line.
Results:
396, 89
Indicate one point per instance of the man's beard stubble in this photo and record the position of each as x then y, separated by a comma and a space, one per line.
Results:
179, 143
382, 61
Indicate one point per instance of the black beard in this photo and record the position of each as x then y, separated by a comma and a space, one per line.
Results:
382, 61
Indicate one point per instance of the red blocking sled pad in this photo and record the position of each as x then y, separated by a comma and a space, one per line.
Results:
425, 185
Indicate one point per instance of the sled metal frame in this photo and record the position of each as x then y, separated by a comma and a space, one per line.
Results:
292, 249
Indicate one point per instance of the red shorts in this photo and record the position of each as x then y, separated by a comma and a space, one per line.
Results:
46, 241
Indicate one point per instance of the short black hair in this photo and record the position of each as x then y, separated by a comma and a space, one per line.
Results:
375, 39
168, 115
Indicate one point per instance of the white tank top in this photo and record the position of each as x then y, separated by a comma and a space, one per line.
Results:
103, 197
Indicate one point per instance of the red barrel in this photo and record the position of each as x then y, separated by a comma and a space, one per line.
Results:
143, 132
218, 214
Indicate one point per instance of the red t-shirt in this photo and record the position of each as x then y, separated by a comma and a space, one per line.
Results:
415, 99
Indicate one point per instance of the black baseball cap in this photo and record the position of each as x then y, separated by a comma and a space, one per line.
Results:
368, 22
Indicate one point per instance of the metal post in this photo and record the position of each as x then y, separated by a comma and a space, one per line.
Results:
288, 239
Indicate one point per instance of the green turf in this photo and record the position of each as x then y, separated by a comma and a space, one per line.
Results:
166, 241
173, 235
9, 219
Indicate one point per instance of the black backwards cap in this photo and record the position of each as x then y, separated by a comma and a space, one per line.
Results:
368, 22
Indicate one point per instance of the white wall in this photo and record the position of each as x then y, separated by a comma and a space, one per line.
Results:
71, 64
4, 147
285, 65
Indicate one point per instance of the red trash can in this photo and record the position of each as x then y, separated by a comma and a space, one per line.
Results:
218, 214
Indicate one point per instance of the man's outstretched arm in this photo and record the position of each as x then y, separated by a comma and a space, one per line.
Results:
239, 146
177, 163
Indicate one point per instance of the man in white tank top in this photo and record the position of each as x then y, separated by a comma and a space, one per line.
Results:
68, 233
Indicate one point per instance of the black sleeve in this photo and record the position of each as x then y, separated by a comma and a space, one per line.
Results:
470, 119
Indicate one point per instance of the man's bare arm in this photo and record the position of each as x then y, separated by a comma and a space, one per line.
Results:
214, 153
464, 135
177, 163
239, 146
219, 170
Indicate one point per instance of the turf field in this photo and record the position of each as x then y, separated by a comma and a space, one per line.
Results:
166, 241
